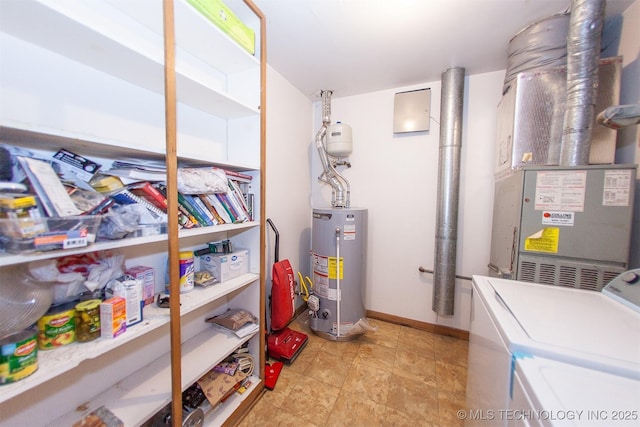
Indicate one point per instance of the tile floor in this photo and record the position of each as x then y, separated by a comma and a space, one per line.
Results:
397, 376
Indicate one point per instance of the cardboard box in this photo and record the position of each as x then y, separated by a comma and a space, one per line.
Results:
148, 277
113, 317
131, 290
218, 13
226, 266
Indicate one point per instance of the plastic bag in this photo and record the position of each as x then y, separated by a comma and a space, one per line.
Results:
202, 181
119, 221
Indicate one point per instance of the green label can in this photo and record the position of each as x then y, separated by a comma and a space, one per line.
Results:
18, 356
57, 327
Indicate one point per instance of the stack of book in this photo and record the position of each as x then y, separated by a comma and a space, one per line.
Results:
194, 210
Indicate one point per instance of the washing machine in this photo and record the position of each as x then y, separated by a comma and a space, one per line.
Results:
549, 393
512, 321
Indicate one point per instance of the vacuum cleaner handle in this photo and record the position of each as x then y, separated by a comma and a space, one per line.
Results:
277, 251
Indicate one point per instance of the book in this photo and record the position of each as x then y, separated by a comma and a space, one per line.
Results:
203, 208
220, 210
185, 219
47, 185
125, 197
222, 199
182, 205
238, 176
202, 218
236, 191
236, 207
147, 191
211, 208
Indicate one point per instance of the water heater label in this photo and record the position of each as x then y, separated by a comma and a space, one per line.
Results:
558, 218
617, 188
333, 268
349, 232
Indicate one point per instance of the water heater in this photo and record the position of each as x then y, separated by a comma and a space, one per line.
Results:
339, 243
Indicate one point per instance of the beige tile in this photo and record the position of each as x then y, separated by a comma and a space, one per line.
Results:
354, 410
263, 414
451, 350
344, 348
414, 366
376, 355
312, 400
414, 398
387, 334
397, 376
451, 378
417, 341
329, 367
368, 381
451, 408
303, 361
279, 395
396, 418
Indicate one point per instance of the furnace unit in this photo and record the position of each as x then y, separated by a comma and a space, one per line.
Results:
567, 226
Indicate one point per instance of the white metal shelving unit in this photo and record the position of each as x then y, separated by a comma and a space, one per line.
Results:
89, 77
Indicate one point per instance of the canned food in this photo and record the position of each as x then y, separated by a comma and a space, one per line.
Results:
88, 320
57, 327
18, 355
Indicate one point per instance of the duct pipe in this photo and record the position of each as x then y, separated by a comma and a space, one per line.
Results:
444, 278
583, 57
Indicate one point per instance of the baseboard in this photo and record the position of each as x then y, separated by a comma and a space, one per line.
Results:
429, 327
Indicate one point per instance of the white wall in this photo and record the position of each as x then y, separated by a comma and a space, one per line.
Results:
395, 177
288, 189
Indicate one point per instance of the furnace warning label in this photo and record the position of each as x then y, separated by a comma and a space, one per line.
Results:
561, 191
545, 240
617, 188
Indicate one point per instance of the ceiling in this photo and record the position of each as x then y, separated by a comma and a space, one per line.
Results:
360, 46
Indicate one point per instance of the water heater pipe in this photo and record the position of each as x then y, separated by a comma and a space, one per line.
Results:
339, 196
444, 278
583, 59
338, 294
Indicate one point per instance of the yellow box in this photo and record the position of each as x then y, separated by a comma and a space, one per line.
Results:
218, 13
113, 317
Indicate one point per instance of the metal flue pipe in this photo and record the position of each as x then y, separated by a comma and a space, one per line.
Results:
444, 277
583, 58
339, 197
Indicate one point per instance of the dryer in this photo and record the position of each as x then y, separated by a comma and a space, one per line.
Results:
513, 321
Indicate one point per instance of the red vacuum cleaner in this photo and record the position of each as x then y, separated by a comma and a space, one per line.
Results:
283, 344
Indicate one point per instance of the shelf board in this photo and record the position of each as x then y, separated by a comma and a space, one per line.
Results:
138, 397
11, 259
56, 362
107, 38
28, 135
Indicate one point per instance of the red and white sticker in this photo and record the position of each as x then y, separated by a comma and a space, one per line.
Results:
565, 218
